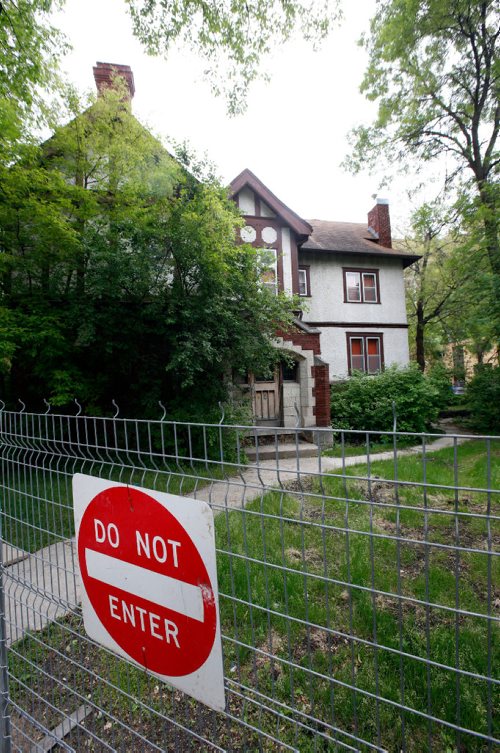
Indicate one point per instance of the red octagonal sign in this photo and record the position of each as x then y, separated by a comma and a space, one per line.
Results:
147, 561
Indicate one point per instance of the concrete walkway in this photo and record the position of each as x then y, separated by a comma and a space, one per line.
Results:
253, 481
40, 588
45, 585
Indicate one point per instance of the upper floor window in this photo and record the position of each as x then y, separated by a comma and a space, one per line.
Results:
361, 286
304, 282
268, 267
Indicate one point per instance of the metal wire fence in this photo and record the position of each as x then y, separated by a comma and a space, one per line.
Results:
358, 584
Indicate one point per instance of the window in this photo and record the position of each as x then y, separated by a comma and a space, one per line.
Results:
304, 282
365, 353
361, 286
268, 266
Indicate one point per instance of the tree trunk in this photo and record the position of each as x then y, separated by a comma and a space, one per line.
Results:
492, 242
419, 336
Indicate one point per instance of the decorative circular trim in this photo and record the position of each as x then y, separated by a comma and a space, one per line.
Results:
248, 234
269, 235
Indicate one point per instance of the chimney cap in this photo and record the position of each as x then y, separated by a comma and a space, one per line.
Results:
383, 201
105, 72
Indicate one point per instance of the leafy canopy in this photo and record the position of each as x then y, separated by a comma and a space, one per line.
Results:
434, 70
30, 49
233, 37
120, 275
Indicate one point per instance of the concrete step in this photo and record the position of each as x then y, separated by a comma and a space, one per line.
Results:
282, 450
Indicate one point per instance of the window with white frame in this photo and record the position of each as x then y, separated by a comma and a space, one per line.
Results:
304, 283
269, 268
365, 353
361, 286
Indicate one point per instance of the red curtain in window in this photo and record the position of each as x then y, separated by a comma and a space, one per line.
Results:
369, 288
373, 355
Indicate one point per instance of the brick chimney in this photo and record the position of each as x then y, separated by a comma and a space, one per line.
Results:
105, 72
379, 222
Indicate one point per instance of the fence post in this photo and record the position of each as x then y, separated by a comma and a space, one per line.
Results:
5, 730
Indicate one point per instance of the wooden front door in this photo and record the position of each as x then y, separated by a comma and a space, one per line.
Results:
266, 399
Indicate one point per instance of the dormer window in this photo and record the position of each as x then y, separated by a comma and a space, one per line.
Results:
361, 286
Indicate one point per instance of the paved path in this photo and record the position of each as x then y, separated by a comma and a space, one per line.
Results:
45, 585
40, 588
252, 481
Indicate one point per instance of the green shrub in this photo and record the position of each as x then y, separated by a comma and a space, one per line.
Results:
365, 402
440, 378
483, 398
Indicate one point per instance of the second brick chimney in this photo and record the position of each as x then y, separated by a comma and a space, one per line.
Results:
104, 73
379, 222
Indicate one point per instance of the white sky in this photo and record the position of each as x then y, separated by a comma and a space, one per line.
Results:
293, 134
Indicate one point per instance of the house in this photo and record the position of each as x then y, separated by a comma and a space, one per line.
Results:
351, 280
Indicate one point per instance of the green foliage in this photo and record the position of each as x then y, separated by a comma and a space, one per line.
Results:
483, 398
364, 402
233, 37
439, 377
433, 70
29, 52
121, 277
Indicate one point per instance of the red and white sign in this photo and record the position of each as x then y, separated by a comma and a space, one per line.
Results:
147, 561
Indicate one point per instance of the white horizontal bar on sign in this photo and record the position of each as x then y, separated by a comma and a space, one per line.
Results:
167, 592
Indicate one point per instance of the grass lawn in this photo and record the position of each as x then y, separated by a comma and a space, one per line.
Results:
313, 629
349, 449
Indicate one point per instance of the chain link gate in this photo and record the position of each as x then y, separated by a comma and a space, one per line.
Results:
358, 589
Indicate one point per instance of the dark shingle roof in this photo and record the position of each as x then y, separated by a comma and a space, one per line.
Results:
350, 238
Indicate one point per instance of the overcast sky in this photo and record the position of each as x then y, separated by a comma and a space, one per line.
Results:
293, 134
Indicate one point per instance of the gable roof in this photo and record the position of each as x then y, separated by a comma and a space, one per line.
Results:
247, 178
350, 238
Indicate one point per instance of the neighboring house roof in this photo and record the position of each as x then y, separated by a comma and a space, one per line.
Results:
247, 178
350, 238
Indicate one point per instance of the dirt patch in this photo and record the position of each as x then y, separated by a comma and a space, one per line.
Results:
310, 557
320, 640
303, 484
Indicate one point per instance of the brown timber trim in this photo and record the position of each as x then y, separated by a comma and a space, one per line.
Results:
294, 260
379, 325
360, 270
279, 261
258, 224
291, 218
364, 335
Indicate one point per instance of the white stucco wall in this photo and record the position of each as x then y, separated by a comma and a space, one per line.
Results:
287, 260
334, 348
246, 201
327, 290
326, 304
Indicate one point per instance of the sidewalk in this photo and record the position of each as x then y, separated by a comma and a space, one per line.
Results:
253, 481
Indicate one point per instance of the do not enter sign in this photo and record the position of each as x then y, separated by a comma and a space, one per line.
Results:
147, 561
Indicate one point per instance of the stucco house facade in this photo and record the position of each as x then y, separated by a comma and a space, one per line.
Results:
351, 280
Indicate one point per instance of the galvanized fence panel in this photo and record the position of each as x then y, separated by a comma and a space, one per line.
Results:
358, 589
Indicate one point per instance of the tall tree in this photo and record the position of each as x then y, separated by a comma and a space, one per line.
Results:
121, 277
435, 72
30, 48
233, 36
437, 285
